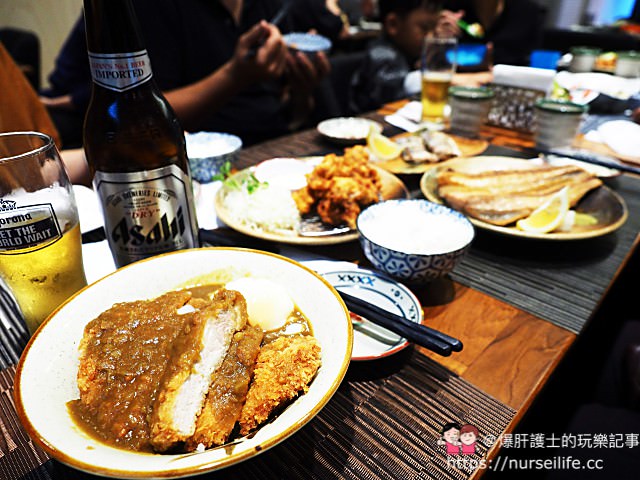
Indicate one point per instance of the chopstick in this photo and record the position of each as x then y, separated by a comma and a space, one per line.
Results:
422, 335
600, 160
277, 18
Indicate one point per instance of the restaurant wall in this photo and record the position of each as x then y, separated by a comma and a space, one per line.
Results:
51, 20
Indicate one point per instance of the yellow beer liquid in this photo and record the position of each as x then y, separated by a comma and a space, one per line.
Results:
435, 93
42, 278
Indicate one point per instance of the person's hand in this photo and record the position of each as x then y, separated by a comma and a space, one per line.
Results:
304, 74
447, 25
260, 54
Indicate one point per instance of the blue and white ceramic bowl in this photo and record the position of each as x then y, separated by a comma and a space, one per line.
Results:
414, 240
209, 151
307, 42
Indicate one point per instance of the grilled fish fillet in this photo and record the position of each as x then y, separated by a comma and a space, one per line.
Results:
197, 353
503, 197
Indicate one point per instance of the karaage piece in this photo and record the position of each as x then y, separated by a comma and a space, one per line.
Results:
284, 368
228, 391
339, 187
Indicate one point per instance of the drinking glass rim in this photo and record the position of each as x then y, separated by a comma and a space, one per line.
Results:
48, 143
441, 40
477, 93
562, 106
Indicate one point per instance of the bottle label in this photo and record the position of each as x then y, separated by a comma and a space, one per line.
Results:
120, 71
28, 226
147, 213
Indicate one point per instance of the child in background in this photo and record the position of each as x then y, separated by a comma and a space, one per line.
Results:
390, 58
391, 68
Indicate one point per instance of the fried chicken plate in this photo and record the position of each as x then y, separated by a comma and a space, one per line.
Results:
178, 373
340, 187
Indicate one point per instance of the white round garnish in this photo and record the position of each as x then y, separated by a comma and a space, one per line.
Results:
268, 303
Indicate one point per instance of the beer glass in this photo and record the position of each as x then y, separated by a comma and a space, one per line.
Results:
438, 65
40, 242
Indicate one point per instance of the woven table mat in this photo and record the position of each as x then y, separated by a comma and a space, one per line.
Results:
383, 423
561, 282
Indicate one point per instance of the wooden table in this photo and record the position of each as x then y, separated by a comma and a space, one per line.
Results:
533, 345
508, 353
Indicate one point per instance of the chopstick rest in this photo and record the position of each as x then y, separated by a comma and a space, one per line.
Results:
427, 337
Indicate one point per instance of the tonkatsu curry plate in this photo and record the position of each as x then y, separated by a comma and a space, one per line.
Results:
183, 363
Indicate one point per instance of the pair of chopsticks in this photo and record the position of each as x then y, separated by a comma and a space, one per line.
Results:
277, 18
593, 158
422, 335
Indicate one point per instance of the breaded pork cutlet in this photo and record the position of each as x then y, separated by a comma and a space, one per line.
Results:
284, 368
196, 355
228, 391
123, 355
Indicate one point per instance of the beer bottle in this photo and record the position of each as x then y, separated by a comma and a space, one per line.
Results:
133, 142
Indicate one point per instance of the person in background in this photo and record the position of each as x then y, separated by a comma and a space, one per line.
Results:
325, 17
391, 68
22, 111
221, 66
513, 27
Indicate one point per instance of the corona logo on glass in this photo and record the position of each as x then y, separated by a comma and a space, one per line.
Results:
6, 205
165, 230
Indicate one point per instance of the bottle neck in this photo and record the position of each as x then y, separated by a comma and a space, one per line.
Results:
117, 57
112, 27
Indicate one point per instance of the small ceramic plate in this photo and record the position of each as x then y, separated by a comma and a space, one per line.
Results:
347, 130
46, 377
469, 147
307, 42
371, 341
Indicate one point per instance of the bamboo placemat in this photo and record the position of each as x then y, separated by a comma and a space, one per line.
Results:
383, 423
562, 282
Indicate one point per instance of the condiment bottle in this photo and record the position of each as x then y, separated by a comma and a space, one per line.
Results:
133, 142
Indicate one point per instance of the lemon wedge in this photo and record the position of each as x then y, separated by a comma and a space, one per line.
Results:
548, 216
381, 147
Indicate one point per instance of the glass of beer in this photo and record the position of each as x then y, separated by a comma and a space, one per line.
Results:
438, 66
40, 242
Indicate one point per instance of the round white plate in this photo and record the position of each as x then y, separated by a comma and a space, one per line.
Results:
46, 377
371, 341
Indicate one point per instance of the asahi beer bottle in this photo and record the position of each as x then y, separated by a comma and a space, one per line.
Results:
133, 142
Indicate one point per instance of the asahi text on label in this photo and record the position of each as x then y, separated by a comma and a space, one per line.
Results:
146, 213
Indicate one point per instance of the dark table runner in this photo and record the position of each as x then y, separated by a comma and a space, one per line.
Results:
561, 282
383, 423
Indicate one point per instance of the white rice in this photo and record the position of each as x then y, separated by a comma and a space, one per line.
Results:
268, 208
412, 230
